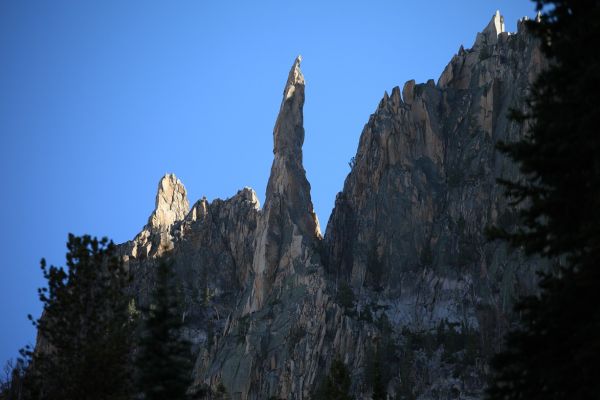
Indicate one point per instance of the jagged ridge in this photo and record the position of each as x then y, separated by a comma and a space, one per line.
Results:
406, 234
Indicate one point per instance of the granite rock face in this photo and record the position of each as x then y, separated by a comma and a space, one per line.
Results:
288, 224
404, 276
410, 220
211, 247
171, 206
274, 342
409, 226
171, 203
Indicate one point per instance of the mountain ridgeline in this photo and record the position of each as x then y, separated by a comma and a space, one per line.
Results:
404, 288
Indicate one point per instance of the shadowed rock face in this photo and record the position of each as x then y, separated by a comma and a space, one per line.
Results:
404, 271
410, 221
287, 221
211, 248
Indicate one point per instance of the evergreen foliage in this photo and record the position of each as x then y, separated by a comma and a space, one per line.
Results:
345, 298
84, 341
11, 381
379, 392
336, 386
555, 353
381, 360
164, 364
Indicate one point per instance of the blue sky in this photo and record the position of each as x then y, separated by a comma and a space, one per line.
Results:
99, 99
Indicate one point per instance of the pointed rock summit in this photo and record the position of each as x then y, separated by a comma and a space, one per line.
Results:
489, 35
496, 25
288, 186
288, 222
288, 135
171, 203
171, 206
269, 305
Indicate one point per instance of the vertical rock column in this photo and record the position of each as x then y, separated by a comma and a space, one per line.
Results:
172, 205
288, 224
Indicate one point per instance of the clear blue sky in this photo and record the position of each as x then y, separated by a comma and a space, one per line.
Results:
99, 99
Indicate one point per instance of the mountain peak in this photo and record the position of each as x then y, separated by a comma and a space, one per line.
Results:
288, 135
171, 203
295, 78
405, 243
490, 33
287, 218
496, 25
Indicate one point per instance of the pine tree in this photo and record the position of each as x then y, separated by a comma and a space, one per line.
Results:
164, 359
11, 383
374, 375
336, 385
379, 392
84, 341
555, 353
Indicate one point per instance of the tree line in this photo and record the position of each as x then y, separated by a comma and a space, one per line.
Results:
93, 342
554, 351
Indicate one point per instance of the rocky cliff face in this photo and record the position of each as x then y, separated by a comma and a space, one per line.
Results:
410, 220
404, 276
288, 224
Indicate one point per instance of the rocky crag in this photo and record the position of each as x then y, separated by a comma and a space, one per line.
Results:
404, 277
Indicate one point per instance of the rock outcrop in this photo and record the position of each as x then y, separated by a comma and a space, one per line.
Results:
262, 352
288, 223
211, 247
404, 276
412, 215
172, 204
409, 226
